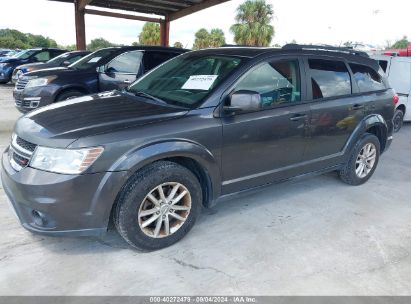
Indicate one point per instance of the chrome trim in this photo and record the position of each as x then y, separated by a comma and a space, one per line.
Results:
390, 137
20, 148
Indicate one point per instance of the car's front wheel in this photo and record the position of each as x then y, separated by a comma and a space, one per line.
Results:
158, 206
362, 161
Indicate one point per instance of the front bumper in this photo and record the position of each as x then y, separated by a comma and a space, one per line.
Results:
29, 99
59, 204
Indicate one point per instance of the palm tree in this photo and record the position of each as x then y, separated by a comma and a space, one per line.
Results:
253, 23
217, 37
202, 39
150, 35
178, 44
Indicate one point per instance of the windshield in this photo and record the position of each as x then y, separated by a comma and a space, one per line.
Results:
59, 59
24, 54
92, 60
186, 80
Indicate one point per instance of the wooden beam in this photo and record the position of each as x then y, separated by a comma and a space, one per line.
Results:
124, 16
80, 26
195, 8
83, 3
165, 32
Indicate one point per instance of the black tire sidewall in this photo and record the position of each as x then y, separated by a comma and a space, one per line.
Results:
367, 138
126, 213
398, 112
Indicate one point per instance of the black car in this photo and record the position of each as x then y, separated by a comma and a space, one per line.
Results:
62, 60
203, 126
8, 64
104, 70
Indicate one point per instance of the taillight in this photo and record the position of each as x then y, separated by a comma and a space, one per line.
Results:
395, 99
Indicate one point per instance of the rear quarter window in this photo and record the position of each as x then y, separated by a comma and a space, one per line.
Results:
367, 79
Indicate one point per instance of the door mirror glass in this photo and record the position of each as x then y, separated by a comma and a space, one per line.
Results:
244, 101
110, 70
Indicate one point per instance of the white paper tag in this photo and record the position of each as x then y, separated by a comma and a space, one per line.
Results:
199, 82
95, 59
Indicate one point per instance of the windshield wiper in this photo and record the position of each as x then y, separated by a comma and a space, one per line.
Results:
146, 95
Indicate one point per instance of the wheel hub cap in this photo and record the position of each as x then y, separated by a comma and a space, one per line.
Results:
164, 210
365, 160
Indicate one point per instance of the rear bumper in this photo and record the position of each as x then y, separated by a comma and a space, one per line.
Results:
59, 204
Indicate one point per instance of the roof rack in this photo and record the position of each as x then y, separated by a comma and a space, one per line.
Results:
347, 50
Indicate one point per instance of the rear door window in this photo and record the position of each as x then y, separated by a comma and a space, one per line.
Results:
329, 78
43, 56
367, 78
153, 59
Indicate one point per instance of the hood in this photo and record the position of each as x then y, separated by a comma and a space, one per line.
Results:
9, 59
60, 124
54, 71
36, 66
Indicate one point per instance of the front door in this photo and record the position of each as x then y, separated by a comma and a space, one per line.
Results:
121, 71
266, 145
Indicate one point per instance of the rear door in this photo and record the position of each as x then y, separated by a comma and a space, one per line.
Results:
335, 111
266, 145
121, 71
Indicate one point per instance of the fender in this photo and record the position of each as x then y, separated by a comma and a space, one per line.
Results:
368, 122
139, 157
77, 87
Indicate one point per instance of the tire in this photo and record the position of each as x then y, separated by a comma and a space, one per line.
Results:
133, 201
348, 173
398, 120
69, 95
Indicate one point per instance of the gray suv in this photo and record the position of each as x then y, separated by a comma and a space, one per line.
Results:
198, 128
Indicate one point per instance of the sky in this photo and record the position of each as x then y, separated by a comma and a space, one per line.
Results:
316, 21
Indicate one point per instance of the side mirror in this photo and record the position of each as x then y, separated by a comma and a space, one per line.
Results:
110, 71
243, 101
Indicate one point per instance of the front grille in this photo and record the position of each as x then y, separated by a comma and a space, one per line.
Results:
20, 152
21, 83
20, 160
25, 144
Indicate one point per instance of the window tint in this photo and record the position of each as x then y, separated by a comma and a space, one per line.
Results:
126, 63
277, 82
74, 59
329, 78
366, 78
42, 56
153, 59
383, 64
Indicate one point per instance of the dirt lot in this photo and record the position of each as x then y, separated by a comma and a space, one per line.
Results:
310, 237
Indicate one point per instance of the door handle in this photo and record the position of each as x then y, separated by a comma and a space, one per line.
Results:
297, 117
357, 107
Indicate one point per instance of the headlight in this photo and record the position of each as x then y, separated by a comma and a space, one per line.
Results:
66, 161
39, 82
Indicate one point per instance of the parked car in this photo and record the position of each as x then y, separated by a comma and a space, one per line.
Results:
3, 52
104, 70
398, 70
201, 127
399, 52
8, 64
62, 60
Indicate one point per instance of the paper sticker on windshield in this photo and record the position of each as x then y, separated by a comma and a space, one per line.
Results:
199, 82
95, 59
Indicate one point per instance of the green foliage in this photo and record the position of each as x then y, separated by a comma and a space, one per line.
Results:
205, 39
150, 35
253, 23
401, 44
178, 44
99, 43
13, 39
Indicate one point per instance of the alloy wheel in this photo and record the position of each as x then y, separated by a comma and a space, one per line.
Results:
365, 160
164, 210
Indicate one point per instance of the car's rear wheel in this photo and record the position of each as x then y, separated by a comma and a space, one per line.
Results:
158, 206
362, 161
69, 95
398, 120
